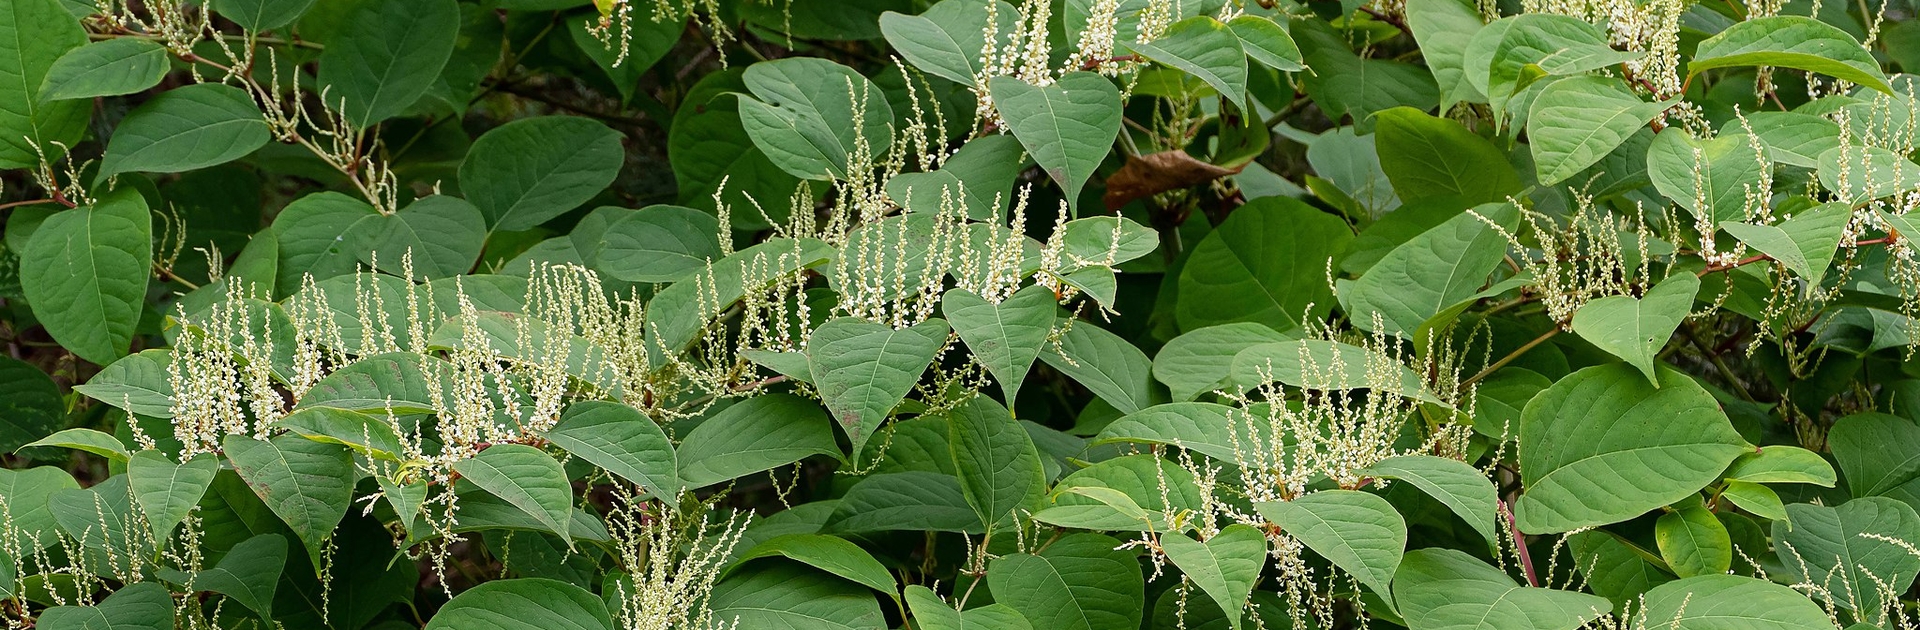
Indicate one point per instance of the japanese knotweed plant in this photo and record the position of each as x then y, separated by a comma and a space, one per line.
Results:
1079, 315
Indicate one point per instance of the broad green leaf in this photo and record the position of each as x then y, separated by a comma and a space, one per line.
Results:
1203, 47
312, 231
659, 244
307, 484
1805, 242
85, 273
1635, 329
1321, 364
1359, 532
526, 477
1607, 427
647, 42
34, 34
386, 56
904, 501
1444, 589
930, 613
443, 234
1005, 337
1346, 85
1068, 126
1443, 28
1576, 121
1435, 270
1503, 59
707, 146
1266, 264
523, 604
1790, 41
1880, 454
623, 441
1355, 185
261, 15
1225, 566
759, 433
676, 315
1200, 361
249, 573
1758, 499
1709, 178
802, 112
863, 369
1860, 174
999, 467
1463, 488
792, 596
1161, 489
141, 606
827, 553
186, 128
31, 404
1728, 602
525, 172
1217, 431
27, 492
1791, 464
89, 440
946, 40
1692, 541
375, 437
1791, 138
1614, 568
482, 511
105, 68
1080, 582
167, 491
1852, 551
1266, 42
1426, 156
1109, 366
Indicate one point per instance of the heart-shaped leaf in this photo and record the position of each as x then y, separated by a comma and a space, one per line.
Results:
1444, 589
167, 492
444, 235
1006, 337
527, 478
863, 369
1805, 242
1067, 126
1225, 566
1635, 329
1359, 532
1855, 552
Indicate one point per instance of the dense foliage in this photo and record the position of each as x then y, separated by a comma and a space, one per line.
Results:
967, 314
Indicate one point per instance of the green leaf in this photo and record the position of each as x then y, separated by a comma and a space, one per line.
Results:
1205, 48
1457, 484
1805, 242
1790, 41
1692, 540
30, 403
1607, 427
1205, 428
105, 68
863, 369
88, 440
28, 492
792, 596
999, 467
307, 484
1758, 499
249, 573
1266, 264
1201, 360
526, 477
141, 606
1266, 42
262, 15
167, 491
677, 314
1792, 138
523, 604
904, 501
186, 128
1346, 85
707, 146
1140, 479
1359, 532
1614, 568
313, 232
1504, 58
759, 433
372, 436
1635, 329
1859, 174
1709, 178
1853, 551
525, 172
1444, 589
1426, 156
659, 244
621, 440
1437, 269
137, 383
1224, 567
828, 553
930, 613
1443, 28
1109, 366
1576, 121
1879, 453
1321, 364
1068, 126
34, 34
1717, 602
802, 111
1792, 464
85, 274
946, 40
443, 233
385, 57
1080, 582
1005, 337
